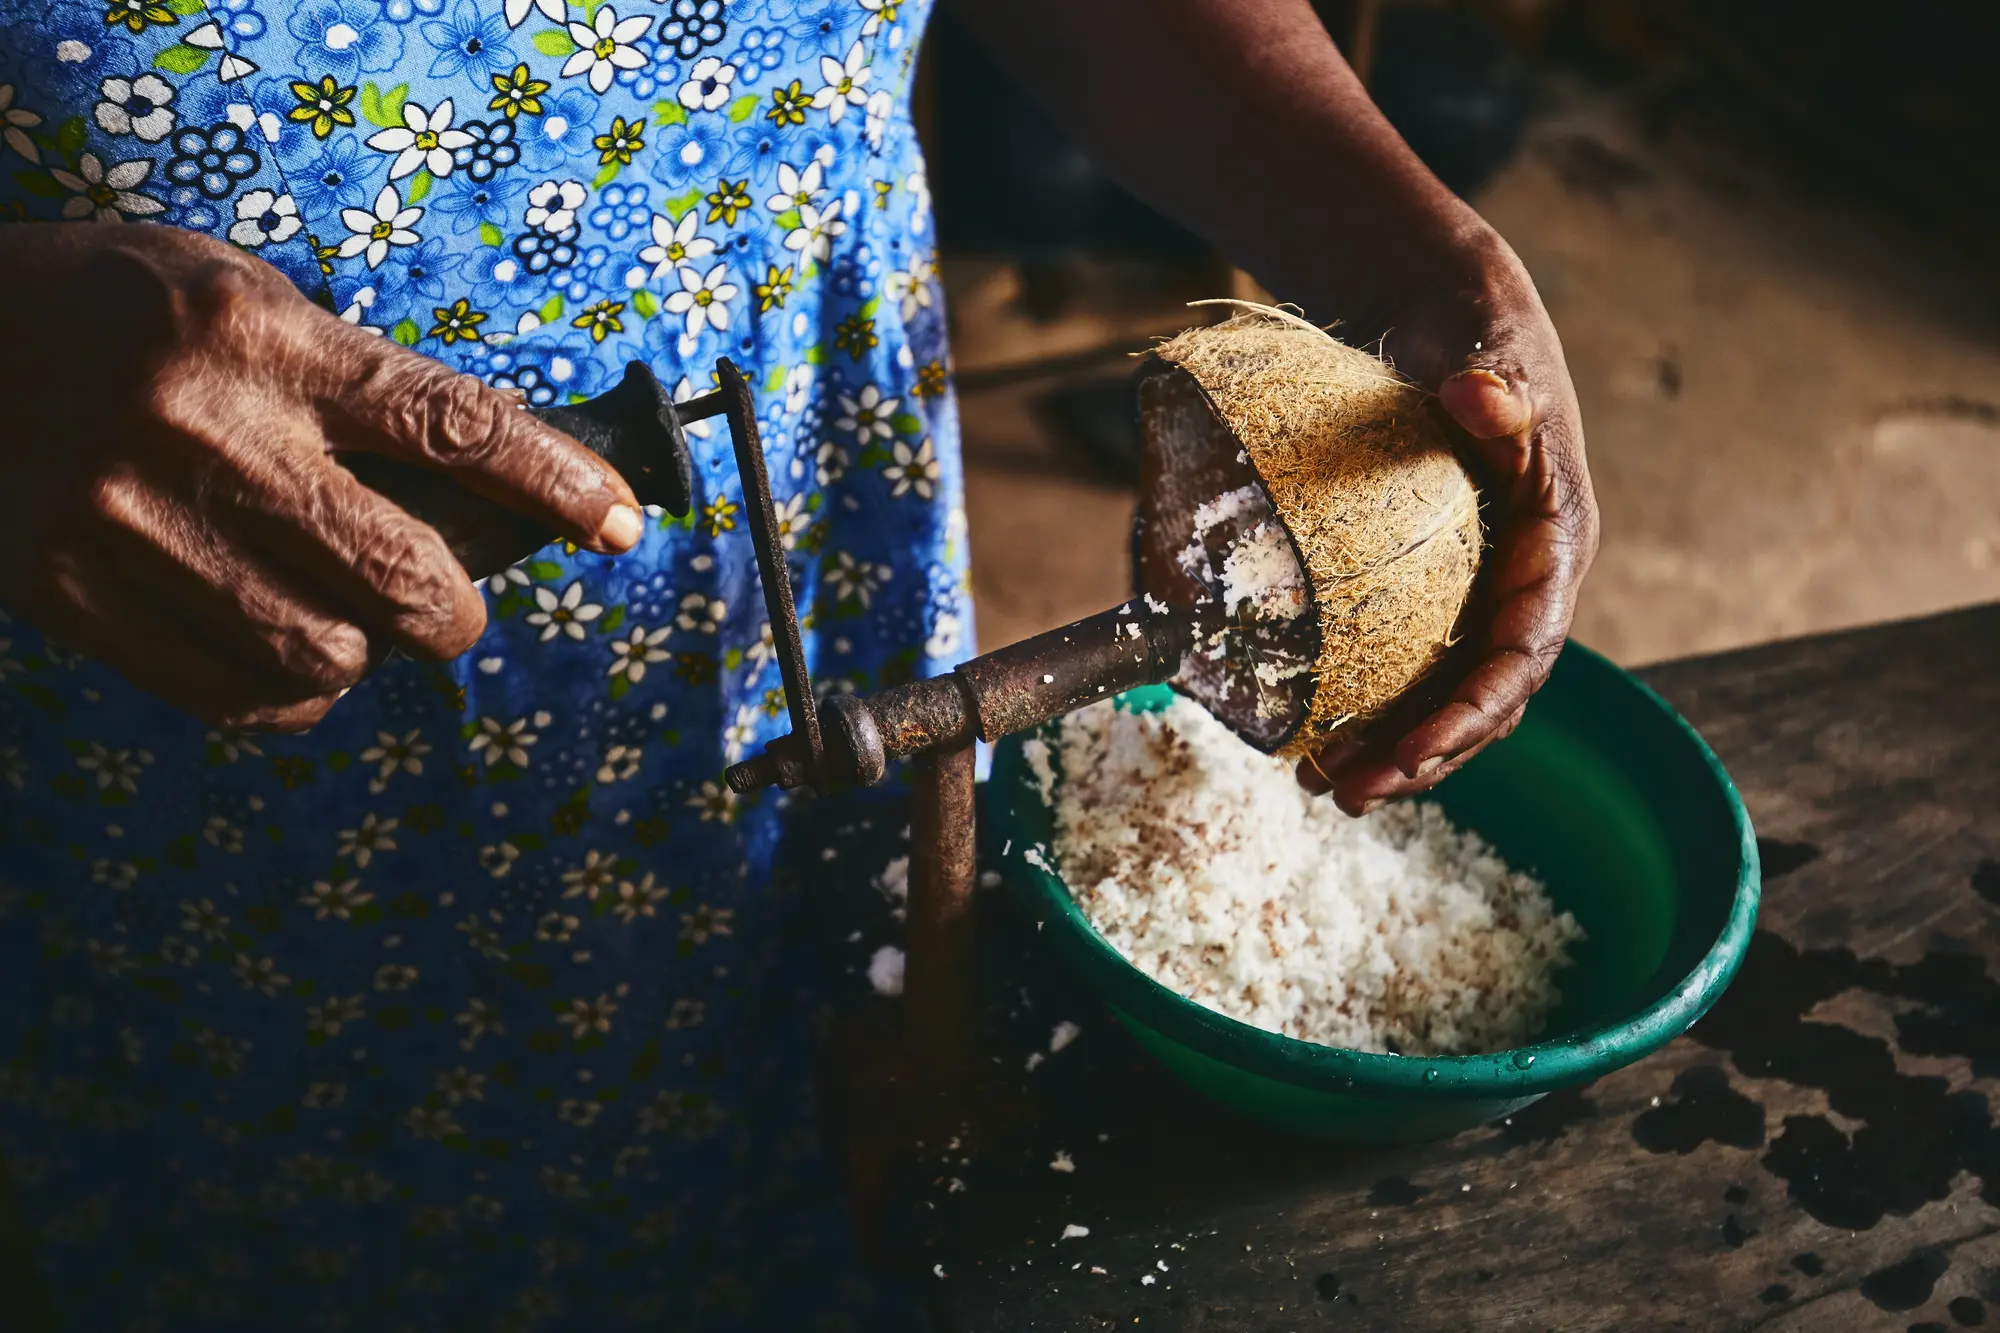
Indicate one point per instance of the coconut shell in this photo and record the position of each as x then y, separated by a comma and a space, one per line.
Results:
1359, 466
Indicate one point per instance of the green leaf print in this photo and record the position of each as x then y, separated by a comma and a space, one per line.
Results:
868, 310
492, 235
876, 456
744, 107
552, 310
420, 185
39, 183
406, 333
70, 135
611, 620
645, 305
542, 571
620, 687
788, 220
187, 6
554, 42
384, 109
669, 113
607, 175
677, 207
775, 380
906, 424
180, 58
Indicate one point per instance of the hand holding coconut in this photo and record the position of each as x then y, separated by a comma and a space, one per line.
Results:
1258, 137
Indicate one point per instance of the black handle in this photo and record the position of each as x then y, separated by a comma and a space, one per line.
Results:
635, 426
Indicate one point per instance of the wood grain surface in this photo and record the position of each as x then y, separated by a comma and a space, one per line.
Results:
1820, 1153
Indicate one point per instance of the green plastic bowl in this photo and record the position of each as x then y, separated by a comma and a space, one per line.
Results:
1604, 792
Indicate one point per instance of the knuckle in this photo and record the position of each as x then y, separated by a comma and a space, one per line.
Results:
324, 657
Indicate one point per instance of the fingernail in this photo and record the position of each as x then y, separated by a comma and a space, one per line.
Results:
1370, 807
622, 528
1429, 766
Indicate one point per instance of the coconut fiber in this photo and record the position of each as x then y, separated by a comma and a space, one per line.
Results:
1358, 464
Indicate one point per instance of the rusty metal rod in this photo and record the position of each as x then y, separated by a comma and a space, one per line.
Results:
938, 980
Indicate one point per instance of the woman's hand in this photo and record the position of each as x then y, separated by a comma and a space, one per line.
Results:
169, 498
1244, 123
1479, 337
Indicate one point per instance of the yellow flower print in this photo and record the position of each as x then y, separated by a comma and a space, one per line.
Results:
457, 323
772, 291
727, 199
517, 93
619, 143
323, 105
789, 105
601, 319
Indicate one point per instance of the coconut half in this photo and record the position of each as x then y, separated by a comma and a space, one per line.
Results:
1267, 438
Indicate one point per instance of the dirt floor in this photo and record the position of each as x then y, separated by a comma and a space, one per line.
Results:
1793, 413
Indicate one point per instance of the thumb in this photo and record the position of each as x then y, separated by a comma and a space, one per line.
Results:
1485, 405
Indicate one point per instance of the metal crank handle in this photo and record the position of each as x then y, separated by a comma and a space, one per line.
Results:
1005, 691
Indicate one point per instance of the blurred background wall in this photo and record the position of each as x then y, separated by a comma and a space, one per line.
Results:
1769, 233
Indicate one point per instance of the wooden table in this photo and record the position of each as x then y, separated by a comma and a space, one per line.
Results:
1818, 1154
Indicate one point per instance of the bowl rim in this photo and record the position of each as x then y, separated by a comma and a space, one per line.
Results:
1577, 1057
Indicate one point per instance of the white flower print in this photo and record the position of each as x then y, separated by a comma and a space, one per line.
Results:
498, 859
855, 580
364, 301
597, 873
480, 1019
604, 46
460, 1085
708, 85
510, 741
392, 756
179, 952
703, 300
552, 205
798, 387
582, 1114
335, 900
361, 844
138, 107
640, 648
114, 768
201, 918
716, 803
697, 926
395, 977
686, 390
555, 11
17, 121
817, 227
914, 470
587, 1018
830, 463
329, 1016
259, 974
675, 244
793, 522
217, 831
117, 875
374, 232
431, 1122
637, 900
686, 1013
567, 614
107, 194
739, 735
424, 139
621, 764
512, 577
555, 928
262, 217
796, 189
845, 83
912, 289
944, 639
880, 104
879, 13
223, 1051
483, 937
701, 614
867, 415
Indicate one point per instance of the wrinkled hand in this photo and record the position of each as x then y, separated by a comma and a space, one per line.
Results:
170, 502
1481, 339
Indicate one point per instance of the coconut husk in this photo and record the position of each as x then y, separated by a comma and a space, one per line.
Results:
1358, 464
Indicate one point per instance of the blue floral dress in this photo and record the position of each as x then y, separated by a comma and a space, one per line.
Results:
435, 1017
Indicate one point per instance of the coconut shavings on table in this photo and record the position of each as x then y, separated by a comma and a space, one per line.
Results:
1206, 864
